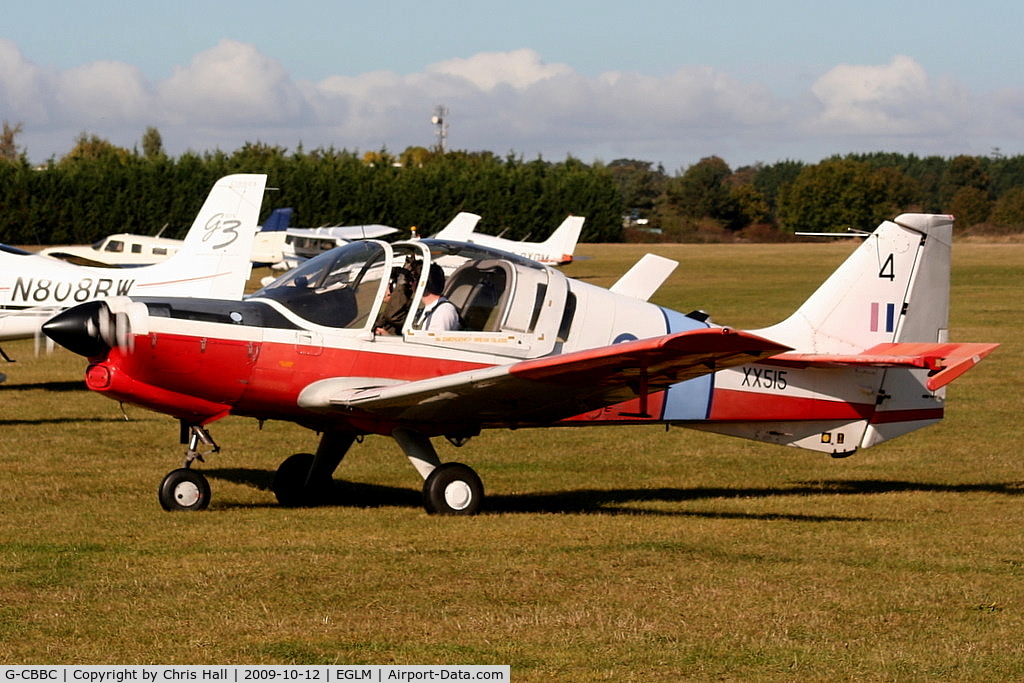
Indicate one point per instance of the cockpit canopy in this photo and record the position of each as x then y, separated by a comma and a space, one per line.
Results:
496, 293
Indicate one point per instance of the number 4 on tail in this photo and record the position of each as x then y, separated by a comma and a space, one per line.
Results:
887, 271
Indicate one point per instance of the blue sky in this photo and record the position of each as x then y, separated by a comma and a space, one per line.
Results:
668, 82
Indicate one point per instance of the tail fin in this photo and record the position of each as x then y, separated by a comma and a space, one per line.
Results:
562, 243
460, 227
893, 288
277, 220
871, 353
214, 260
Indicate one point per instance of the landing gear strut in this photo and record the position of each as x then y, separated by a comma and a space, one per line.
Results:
304, 479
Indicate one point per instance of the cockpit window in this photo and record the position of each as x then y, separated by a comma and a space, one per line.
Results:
337, 288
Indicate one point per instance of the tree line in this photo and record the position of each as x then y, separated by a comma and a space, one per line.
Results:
98, 189
709, 201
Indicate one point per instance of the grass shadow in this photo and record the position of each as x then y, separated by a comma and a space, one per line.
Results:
614, 501
75, 385
58, 421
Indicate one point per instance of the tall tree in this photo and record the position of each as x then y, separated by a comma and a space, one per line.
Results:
836, 195
701, 192
8, 147
152, 144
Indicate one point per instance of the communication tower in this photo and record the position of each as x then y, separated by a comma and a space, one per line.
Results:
440, 121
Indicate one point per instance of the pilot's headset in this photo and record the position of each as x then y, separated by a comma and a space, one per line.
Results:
401, 280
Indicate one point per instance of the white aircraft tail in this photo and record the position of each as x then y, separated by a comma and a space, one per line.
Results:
562, 244
460, 228
215, 259
871, 355
893, 288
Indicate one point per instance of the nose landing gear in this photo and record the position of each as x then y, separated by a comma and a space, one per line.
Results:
185, 489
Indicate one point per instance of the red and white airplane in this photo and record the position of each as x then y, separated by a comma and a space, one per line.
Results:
864, 360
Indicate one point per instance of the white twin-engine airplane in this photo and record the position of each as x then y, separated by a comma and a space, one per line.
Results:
556, 250
213, 262
866, 358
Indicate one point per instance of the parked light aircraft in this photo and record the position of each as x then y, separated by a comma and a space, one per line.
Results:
866, 358
127, 250
213, 262
123, 250
287, 249
558, 249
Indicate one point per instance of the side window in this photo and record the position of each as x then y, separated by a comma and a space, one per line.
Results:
506, 306
480, 290
567, 317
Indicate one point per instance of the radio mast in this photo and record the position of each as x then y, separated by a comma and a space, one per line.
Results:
440, 121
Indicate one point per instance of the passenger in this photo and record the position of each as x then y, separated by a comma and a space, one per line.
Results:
438, 314
396, 303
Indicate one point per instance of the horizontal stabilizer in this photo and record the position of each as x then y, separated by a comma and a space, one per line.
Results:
946, 360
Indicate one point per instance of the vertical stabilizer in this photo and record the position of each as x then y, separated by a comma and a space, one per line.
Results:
214, 260
561, 246
893, 288
460, 228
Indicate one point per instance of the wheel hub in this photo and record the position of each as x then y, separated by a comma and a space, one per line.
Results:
458, 495
187, 494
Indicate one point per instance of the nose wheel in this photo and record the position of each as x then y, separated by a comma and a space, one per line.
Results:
184, 490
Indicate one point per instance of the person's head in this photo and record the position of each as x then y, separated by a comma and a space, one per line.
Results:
435, 280
401, 280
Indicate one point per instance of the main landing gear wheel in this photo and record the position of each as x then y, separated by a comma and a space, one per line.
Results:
453, 489
290, 485
184, 489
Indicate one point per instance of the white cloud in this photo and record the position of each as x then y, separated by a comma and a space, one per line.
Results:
231, 84
26, 90
508, 101
518, 69
110, 92
898, 98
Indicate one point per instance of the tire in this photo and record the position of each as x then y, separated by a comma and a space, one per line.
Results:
290, 483
184, 490
453, 489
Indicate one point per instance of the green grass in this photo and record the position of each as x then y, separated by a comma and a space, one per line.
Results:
612, 553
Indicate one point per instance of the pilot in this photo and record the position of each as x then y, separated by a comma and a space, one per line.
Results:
396, 303
438, 314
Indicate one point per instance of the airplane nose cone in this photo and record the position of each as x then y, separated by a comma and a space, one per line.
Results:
77, 329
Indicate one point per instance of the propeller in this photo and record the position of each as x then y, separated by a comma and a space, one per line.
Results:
86, 329
115, 329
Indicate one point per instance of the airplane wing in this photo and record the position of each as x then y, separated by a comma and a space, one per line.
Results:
544, 390
946, 361
344, 232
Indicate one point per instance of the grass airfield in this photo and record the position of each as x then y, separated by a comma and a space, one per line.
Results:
612, 553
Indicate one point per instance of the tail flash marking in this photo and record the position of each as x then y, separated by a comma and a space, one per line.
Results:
890, 317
